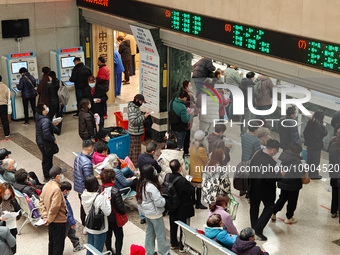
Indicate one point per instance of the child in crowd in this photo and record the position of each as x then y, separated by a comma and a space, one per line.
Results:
66, 187
214, 230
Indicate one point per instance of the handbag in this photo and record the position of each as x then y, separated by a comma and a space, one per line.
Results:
305, 179
95, 221
51, 148
232, 206
31, 84
9, 105
121, 218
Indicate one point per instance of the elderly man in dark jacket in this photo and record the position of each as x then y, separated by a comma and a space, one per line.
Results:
245, 243
45, 139
125, 52
27, 86
83, 167
79, 76
289, 132
291, 184
185, 192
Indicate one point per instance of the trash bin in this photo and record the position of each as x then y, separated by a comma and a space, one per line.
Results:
120, 141
124, 123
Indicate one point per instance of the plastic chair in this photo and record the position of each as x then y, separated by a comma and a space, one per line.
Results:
94, 250
25, 210
213, 247
127, 193
190, 240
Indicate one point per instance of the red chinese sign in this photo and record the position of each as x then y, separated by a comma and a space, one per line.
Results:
98, 2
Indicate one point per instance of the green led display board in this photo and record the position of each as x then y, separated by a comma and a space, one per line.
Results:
306, 51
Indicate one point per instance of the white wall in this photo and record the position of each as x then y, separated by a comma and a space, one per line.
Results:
53, 25
311, 18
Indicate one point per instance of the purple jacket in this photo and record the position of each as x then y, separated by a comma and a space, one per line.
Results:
241, 247
228, 224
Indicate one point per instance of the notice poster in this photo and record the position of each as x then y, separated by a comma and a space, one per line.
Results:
149, 67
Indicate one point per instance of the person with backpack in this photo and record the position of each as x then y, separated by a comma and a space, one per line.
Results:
151, 203
179, 117
27, 84
313, 134
91, 200
184, 194
263, 98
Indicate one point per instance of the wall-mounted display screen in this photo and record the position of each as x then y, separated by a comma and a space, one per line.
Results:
306, 51
15, 66
67, 62
15, 28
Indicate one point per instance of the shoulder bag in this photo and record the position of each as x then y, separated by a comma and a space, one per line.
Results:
121, 218
95, 221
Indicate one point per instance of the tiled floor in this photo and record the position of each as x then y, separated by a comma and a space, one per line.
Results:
313, 234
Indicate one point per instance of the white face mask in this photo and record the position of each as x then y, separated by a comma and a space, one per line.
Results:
6, 197
15, 165
89, 106
107, 139
62, 177
92, 85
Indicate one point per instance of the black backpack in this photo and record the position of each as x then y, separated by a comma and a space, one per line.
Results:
170, 193
176, 123
95, 221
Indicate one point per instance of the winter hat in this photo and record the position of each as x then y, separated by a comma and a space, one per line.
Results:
137, 250
199, 135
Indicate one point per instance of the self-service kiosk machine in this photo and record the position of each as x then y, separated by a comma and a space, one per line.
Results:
10, 66
61, 60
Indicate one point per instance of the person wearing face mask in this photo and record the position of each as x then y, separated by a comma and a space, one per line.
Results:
219, 207
65, 188
136, 126
103, 78
97, 96
54, 211
263, 180
289, 132
86, 123
79, 76
10, 204
45, 139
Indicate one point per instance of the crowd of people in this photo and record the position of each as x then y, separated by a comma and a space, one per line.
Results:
185, 166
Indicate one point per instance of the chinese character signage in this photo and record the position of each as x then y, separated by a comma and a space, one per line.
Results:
149, 80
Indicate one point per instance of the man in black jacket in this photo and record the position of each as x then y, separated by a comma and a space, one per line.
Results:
289, 132
125, 53
45, 139
263, 180
80, 75
147, 157
185, 192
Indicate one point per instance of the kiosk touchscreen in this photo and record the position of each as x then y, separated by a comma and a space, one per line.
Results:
61, 60
10, 66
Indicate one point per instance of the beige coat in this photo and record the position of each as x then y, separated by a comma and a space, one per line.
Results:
267, 90
52, 203
164, 161
198, 160
4, 94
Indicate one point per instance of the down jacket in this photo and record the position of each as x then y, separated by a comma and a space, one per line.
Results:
152, 201
213, 111
220, 235
80, 75
288, 133
136, 119
86, 124
203, 68
125, 50
103, 77
313, 134
247, 248
44, 130
82, 167
116, 201
178, 106
27, 84
164, 161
